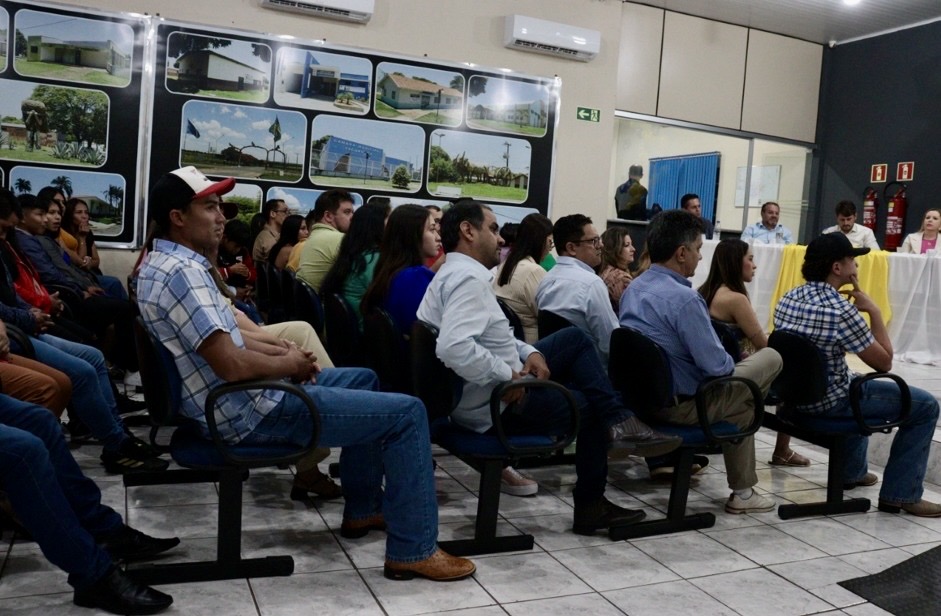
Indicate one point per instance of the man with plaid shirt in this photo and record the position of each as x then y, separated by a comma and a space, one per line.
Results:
818, 311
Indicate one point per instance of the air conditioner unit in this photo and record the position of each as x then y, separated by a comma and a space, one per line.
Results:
551, 38
359, 11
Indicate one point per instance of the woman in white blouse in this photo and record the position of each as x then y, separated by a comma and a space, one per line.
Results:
926, 238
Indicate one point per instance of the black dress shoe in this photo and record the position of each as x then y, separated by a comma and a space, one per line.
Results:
602, 513
131, 544
119, 594
632, 437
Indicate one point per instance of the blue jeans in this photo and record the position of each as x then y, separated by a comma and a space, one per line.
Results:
381, 434
112, 286
908, 458
92, 399
59, 505
573, 362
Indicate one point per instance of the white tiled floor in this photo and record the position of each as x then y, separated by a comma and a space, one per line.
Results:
751, 565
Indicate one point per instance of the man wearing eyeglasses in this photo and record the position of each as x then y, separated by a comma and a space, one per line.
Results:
274, 212
572, 289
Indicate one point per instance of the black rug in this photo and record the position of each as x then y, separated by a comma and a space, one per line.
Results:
910, 588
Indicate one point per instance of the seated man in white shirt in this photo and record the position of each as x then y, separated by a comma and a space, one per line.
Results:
858, 235
768, 230
572, 289
476, 341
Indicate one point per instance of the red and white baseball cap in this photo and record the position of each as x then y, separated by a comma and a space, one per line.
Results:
176, 189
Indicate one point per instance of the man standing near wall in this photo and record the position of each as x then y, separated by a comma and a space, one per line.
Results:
332, 215
630, 198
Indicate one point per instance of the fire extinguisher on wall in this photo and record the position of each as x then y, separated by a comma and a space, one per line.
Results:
870, 207
896, 205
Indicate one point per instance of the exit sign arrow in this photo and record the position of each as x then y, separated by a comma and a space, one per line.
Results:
588, 114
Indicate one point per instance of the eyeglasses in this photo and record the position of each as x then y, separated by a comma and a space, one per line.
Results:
284, 211
595, 241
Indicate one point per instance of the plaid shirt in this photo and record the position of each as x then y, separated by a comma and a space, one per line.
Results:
182, 307
818, 311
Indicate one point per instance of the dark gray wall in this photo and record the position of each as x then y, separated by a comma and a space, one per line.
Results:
880, 102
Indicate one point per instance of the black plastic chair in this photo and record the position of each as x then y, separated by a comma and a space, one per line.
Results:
549, 323
307, 306
262, 294
640, 369
439, 388
286, 279
802, 381
342, 329
387, 352
513, 318
209, 461
277, 311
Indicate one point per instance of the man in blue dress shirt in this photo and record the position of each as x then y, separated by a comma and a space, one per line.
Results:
769, 230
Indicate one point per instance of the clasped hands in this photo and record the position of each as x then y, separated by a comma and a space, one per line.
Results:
535, 367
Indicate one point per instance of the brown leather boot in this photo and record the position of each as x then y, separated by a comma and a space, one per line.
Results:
354, 529
316, 482
439, 567
922, 509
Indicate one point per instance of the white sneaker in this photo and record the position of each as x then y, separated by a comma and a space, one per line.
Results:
514, 483
756, 503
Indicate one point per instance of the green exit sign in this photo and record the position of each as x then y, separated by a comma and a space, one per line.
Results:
588, 114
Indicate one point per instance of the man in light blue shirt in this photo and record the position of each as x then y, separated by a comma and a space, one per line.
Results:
572, 289
476, 341
662, 305
768, 231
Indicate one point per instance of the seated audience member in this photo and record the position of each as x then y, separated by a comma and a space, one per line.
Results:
818, 310
733, 265
508, 232
572, 289
617, 253
356, 262
30, 381
662, 305
435, 262
332, 215
475, 340
768, 230
857, 234
293, 231
519, 275
294, 259
926, 238
76, 236
273, 213
691, 203
401, 277
384, 436
61, 508
235, 266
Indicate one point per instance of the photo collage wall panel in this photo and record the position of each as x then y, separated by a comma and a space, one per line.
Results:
70, 109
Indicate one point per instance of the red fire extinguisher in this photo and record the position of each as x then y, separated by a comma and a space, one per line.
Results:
895, 215
870, 206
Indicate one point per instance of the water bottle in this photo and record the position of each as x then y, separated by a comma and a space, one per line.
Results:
716, 231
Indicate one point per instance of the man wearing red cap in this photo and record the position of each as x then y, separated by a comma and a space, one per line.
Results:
382, 435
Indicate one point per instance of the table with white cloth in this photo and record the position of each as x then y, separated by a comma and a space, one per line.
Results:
912, 289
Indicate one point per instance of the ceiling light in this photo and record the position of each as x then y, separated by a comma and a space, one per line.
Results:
850, 2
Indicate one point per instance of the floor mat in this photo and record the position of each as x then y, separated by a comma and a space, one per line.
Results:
910, 587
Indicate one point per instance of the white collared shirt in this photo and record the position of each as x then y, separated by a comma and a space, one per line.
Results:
860, 236
575, 292
474, 337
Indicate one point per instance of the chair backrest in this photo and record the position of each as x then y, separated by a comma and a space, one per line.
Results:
342, 329
513, 318
307, 306
803, 379
163, 387
286, 280
436, 385
727, 338
549, 323
274, 285
387, 352
640, 370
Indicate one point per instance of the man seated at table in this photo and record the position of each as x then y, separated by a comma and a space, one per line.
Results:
857, 234
384, 436
818, 311
768, 230
662, 305
691, 203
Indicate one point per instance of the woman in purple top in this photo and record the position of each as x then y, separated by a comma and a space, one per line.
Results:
400, 280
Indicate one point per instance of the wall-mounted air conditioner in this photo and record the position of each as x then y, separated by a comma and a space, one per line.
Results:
549, 37
359, 11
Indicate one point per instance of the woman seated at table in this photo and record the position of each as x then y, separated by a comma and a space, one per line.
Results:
733, 264
617, 253
926, 238
518, 277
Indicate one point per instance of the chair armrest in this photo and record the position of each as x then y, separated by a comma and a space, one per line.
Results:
250, 385
905, 405
702, 403
497, 417
22, 339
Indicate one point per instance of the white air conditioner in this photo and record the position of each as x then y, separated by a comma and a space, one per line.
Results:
551, 38
359, 11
